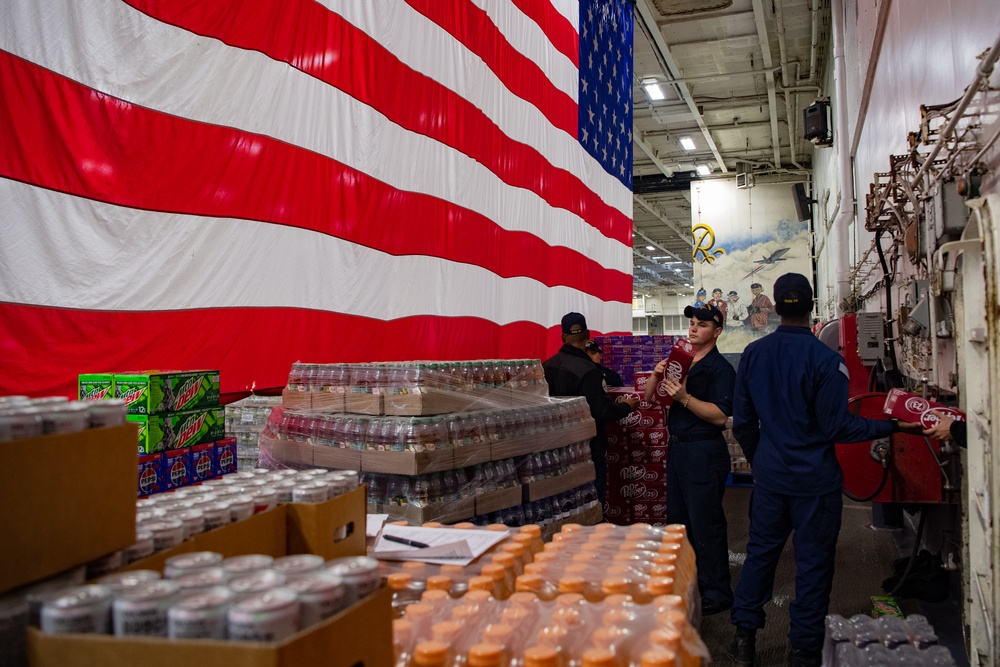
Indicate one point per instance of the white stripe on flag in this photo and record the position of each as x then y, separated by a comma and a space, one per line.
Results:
94, 45
172, 262
570, 9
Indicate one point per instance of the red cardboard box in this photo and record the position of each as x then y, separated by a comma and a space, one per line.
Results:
678, 364
640, 381
648, 511
617, 456
618, 511
639, 490
617, 435
636, 437
636, 472
647, 456
908, 407
619, 394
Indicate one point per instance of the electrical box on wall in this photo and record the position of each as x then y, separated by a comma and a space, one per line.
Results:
871, 338
816, 123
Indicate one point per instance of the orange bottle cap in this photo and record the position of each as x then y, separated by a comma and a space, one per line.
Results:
528, 582
665, 559
439, 583
598, 657
522, 599
665, 637
481, 583
606, 636
493, 570
477, 597
670, 548
485, 655
516, 550
614, 585
401, 627
620, 571
432, 524
669, 602
590, 547
453, 570
524, 540
415, 567
541, 656
569, 599
399, 580
663, 571
514, 615
618, 616
428, 654
465, 612
617, 600
577, 569
546, 557
506, 559
572, 584
465, 525
498, 527
535, 568
433, 597
605, 528
571, 528
660, 586
658, 657
533, 530
399, 523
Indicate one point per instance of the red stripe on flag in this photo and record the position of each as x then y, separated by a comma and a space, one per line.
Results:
329, 48
560, 32
250, 346
61, 135
469, 25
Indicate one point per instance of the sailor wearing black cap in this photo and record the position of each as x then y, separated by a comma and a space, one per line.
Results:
698, 460
571, 372
789, 408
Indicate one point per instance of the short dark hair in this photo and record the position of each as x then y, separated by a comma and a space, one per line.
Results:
793, 309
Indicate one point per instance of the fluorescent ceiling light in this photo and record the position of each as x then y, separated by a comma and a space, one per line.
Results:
654, 91
649, 247
687, 143
677, 270
704, 170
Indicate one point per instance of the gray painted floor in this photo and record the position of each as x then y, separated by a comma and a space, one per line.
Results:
864, 559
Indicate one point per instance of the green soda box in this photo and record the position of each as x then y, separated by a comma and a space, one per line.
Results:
156, 393
175, 430
95, 386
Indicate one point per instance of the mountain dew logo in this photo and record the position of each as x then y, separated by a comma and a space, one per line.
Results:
188, 392
132, 394
191, 430
96, 394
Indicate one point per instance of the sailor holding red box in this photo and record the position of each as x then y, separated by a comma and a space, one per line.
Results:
698, 460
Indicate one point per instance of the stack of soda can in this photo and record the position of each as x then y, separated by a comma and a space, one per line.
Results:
22, 417
165, 520
206, 596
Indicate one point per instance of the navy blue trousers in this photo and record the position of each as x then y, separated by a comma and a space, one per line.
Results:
696, 482
814, 523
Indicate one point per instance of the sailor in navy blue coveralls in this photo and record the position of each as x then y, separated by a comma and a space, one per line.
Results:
698, 458
789, 408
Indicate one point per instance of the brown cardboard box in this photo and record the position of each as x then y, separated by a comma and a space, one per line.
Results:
361, 635
509, 447
579, 474
263, 533
54, 489
418, 463
500, 499
588, 517
335, 457
333, 529
296, 400
365, 404
327, 401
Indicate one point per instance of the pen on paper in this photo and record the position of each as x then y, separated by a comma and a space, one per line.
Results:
403, 540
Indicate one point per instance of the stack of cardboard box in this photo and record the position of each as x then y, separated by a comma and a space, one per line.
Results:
631, 356
637, 460
181, 437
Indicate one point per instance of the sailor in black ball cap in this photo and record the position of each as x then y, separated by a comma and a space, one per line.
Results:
571, 372
698, 460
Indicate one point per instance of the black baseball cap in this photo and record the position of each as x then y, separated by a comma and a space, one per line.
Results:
707, 313
733, 292
573, 323
757, 285
792, 288
591, 345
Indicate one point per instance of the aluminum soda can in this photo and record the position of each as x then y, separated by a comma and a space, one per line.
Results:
213, 576
142, 548
241, 507
79, 610
196, 561
105, 565
167, 533
11, 401
283, 488
193, 520
352, 478
13, 629
153, 514
37, 594
237, 566
118, 582
106, 413
216, 514
141, 610
241, 476
359, 573
293, 566
336, 484
49, 400
62, 418
256, 582
21, 422
321, 595
265, 617
311, 492
145, 504
264, 498
200, 615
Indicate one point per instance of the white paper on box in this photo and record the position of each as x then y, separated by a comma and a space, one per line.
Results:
446, 546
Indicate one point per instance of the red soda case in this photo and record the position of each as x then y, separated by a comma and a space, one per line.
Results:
678, 364
151, 478
225, 456
176, 464
908, 407
202, 466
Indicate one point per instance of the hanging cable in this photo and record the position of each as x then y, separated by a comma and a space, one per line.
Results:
887, 278
913, 555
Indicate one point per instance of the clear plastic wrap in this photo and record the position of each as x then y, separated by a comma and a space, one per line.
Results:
888, 640
245, 419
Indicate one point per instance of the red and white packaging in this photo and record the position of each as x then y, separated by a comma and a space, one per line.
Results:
639, 491
647, 456
648, 511
619, 394
640, 381
636, 437
617, 435
620, 475
617, 456
908, 407
678, 364
617, 510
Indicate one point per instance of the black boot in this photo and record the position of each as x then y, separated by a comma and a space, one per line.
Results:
800, 658
744, 647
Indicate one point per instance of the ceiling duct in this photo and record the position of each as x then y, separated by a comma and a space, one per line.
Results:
681, 7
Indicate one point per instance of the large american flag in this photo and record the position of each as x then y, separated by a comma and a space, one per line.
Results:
239, 184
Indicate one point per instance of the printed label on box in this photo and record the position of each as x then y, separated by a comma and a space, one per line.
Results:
202, 465
176, 463
95, 386
909, 407
648, 455
155, 393
150, 474
225, 456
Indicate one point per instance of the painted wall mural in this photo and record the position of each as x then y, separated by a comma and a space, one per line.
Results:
745, 239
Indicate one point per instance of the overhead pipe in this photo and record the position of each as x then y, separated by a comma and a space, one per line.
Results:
842, 139
814, 42
787, 80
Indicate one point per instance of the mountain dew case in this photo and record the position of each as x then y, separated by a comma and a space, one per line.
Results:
155, 393
176, 430
95, 386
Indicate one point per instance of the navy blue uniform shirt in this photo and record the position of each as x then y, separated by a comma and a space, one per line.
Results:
789, 409
710, 380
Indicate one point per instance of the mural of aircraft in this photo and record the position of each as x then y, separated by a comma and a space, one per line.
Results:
776, 256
